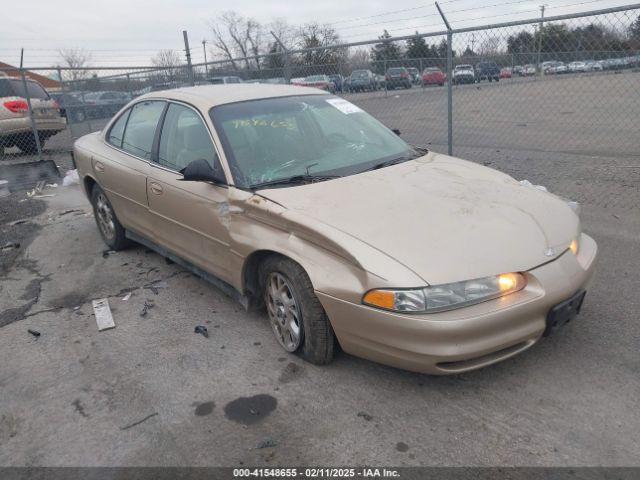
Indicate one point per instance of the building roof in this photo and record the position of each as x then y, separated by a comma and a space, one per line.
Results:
46, 82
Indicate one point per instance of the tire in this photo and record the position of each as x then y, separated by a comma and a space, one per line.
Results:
315, 340
110, 228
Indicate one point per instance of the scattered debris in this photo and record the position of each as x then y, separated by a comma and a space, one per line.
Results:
266, 443
10, 246
35, 333
126, 297
106, 253
156, 286
38, 188
366, 416
126, 427
202, 330
71, 178
615, 216
104, 319
42, 196
148, 305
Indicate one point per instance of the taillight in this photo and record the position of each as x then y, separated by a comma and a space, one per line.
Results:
17, 106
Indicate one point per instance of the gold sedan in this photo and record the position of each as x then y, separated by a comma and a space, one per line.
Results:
297, 201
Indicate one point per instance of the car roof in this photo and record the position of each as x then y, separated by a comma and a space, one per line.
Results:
207, 96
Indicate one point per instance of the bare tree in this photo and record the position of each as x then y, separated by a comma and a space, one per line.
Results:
167, 62
359, 59
75, 59
235, 36
315, 35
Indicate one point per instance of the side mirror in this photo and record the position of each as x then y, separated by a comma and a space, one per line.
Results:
201, 171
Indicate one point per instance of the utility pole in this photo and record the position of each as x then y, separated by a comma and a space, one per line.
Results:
34, 129
204, 49
540, 33
188, 53
473, 42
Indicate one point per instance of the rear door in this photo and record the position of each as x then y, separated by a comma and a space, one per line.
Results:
122, 167
189, 218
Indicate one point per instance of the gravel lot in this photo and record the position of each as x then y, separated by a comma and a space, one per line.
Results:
151, 392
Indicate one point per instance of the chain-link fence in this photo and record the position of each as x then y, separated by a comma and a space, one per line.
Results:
556, 99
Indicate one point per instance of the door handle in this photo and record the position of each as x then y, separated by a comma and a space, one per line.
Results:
99, 167
155, 188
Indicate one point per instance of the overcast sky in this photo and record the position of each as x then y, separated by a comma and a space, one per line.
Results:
129, 32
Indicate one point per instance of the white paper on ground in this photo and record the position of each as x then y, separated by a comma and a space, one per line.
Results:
102, 311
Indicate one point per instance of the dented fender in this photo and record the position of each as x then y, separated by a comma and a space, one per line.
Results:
337, 263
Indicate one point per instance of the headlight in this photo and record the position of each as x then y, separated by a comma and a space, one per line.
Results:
575, 246
437, 298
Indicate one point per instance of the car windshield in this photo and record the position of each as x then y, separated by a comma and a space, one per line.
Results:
393, 71
305, 135
359, 73
315, 78
463, 67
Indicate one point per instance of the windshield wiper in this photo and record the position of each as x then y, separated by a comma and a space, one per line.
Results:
295, 180
393, 161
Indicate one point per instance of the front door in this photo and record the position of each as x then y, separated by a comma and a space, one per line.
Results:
189, 218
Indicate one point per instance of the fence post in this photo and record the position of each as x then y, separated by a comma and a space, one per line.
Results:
34, 129
188, 53
449, 82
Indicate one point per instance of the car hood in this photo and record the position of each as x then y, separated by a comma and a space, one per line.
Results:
443, 218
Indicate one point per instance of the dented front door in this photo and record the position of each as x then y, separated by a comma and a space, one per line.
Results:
189, 219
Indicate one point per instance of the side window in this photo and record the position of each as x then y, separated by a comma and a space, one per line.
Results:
141, 128
115, 134
184, 138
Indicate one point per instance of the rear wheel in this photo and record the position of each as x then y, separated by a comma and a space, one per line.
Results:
111, 230
297, 318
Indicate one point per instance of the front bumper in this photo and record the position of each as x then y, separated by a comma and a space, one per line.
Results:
468, 338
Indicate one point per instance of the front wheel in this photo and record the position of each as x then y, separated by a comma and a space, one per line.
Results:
297, 318
111, 230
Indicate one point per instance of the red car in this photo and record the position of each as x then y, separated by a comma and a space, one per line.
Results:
433, 76
506, 73
319, 81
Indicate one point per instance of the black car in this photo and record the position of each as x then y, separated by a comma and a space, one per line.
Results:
71, 107
487, 71
398, 77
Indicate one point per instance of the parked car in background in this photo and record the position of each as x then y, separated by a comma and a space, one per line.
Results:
362, 80
381, 82
593, 66
506, 73
319, 81
577, 67
224, 80
529, 70
15, 124
433, 76
398, 77
324, 226
415, 75
518, 69
463, 74
338, 81
71, 106
487, 71
104, 104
